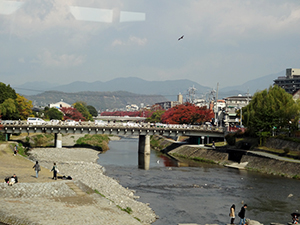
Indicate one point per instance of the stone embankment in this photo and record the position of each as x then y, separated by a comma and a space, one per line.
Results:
250, 160
282, 144
71, 201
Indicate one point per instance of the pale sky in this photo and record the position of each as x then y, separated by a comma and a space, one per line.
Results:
225, 41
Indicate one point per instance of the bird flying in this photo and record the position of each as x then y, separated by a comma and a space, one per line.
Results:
180, 38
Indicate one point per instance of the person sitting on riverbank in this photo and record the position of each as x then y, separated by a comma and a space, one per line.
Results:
11, 180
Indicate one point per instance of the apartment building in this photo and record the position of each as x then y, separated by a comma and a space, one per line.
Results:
290, 82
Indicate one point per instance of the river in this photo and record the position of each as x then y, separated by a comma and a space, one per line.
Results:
201, 194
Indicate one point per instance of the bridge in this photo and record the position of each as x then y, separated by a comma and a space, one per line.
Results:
143, 130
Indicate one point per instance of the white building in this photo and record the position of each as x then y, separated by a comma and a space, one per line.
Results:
60, 104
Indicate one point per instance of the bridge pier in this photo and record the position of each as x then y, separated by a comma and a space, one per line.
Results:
144, 152
58, 140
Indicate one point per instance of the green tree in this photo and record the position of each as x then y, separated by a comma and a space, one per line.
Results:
24, 107
156, 116
92, 110
268, 109
6, 92
54, 113
8, 109
82, 108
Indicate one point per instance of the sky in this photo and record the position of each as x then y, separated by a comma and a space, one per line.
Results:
225, 41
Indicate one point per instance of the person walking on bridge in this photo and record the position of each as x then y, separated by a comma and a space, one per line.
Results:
37, 169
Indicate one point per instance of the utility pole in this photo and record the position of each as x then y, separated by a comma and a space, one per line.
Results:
216, 101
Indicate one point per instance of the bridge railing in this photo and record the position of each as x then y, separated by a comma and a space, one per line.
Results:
24, 123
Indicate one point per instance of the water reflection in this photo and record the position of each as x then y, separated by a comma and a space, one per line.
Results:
144, 161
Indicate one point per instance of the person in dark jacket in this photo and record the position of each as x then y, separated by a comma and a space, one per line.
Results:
55, 170
37, 169
242, 215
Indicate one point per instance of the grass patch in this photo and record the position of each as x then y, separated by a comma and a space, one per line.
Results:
127, 209
197, 159
42, 140
97, 192
21, 149
137, 219
282, 152
98, 141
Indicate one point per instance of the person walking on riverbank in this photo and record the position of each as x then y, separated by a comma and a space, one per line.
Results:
55, 170
15, 150
232, 214
37, 169
242, 215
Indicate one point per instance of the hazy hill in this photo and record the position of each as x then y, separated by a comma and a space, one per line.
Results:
253, 86
169, 89
100, 100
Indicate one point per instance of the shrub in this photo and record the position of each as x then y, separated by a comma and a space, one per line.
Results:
98, 141
230, 138
286, 150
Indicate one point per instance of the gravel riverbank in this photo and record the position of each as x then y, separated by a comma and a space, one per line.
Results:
72, 201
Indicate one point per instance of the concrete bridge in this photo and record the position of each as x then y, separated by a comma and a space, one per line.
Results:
143, 130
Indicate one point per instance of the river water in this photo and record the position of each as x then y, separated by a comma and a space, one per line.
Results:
200, 194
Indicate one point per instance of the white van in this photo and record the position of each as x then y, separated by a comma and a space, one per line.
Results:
35, 121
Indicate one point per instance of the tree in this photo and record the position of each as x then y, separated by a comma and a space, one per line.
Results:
8, 109
6, 92
187, 113
92, 110
156, 116
7, 102
269, 109
81, 107
54, 113
72, 113
24, 107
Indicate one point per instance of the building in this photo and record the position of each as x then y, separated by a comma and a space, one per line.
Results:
168, 104
60, 104
232, 104
291, 82
132, 108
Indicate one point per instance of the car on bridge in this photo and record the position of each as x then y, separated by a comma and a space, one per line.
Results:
54, 122
71, 122
35, 121
100, 123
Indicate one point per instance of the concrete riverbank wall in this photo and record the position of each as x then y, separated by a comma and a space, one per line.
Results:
272, 166
255, 162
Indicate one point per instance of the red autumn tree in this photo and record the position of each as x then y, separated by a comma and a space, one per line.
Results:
187, 113
71, 113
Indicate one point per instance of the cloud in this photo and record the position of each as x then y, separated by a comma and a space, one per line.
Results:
49, 59
132, 40
217, 20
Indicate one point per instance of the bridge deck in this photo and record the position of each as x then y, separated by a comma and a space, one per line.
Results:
113, 128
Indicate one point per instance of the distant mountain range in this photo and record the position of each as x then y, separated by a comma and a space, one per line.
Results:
162, 90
